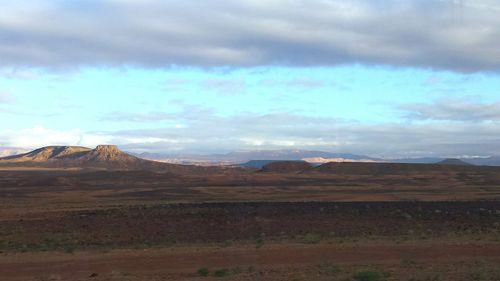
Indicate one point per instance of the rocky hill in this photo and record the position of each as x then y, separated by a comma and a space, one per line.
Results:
107, 157
48, 153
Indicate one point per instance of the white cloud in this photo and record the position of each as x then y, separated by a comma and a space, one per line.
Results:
6, 97
247, 131
278, 131
39, 136
457, 109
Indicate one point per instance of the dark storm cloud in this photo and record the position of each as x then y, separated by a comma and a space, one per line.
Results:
453, 110
455, 35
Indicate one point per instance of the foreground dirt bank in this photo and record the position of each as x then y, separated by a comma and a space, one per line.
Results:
421, 260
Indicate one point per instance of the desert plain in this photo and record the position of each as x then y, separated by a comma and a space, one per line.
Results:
286, 221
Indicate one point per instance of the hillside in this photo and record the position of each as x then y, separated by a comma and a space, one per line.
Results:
48, 153
107, 157
287, 166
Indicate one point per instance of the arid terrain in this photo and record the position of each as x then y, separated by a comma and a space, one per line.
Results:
287, 221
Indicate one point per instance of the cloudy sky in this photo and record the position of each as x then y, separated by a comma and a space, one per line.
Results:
390, 78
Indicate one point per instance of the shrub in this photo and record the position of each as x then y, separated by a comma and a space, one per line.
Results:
236, 270
368, 275
311, 238
221, 272
203, 271
259, 242
477, 276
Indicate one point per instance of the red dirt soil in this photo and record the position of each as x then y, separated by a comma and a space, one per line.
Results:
271, 261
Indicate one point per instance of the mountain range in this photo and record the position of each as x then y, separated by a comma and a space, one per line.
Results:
256, 158
108, 157
239, 157
261, 157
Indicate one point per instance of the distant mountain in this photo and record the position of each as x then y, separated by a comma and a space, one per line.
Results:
422, 160
102, 157
243, 157
108, 156
292, 155
9, 151
453, 161
321, 160
313, 161
259, 158
47, 153
478, 161
487, 161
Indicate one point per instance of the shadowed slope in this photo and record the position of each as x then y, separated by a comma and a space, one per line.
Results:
400, 168
287, 166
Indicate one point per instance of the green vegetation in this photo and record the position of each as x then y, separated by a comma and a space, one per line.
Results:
477, 276
227, 243
259, 242
368, 275
221, 272
203, 272
311, 238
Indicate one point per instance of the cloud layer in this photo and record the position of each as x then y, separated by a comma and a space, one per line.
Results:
453, 35
6, 97
454, 110
200, 130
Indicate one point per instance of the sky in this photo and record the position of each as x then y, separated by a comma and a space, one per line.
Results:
388, 78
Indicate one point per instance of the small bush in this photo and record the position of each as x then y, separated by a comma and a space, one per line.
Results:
477, 276
227, 243
259, 242
69, 248
311, 238
368, 275
220, 272
236, 270
203, 272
